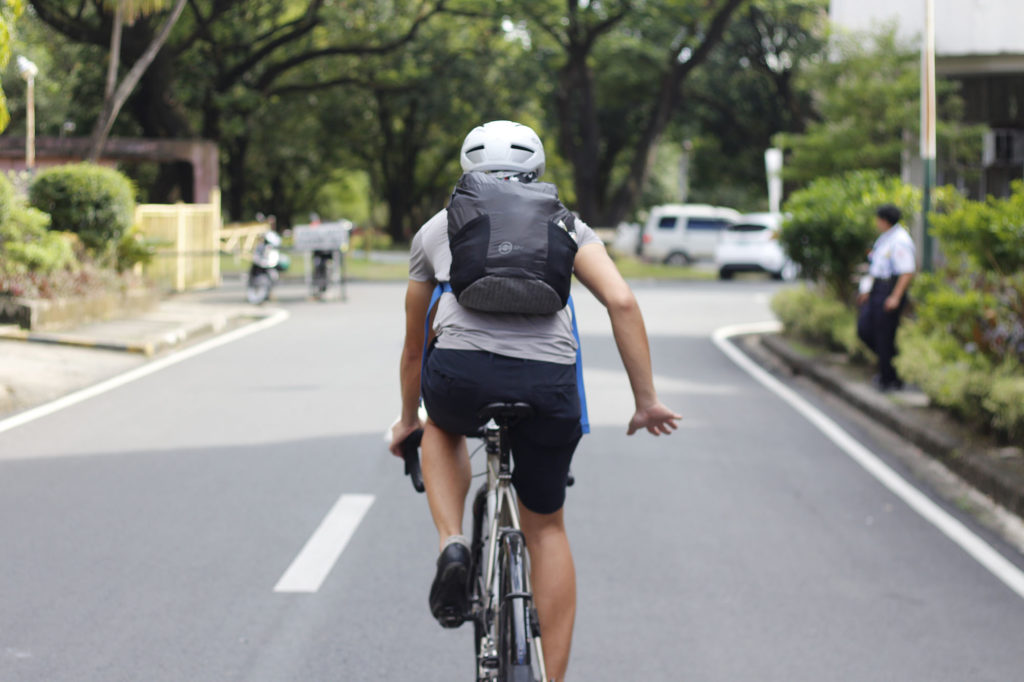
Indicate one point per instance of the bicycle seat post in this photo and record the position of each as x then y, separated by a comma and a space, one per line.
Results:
503, 416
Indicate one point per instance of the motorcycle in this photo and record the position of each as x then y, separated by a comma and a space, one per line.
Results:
267, 262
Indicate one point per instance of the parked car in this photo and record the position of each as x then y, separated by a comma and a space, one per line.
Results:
683, 233
752, 245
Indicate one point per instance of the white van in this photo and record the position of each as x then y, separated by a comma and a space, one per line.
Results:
683, 233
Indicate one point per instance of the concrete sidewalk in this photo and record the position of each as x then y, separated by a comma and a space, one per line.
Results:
995, 470
36, 367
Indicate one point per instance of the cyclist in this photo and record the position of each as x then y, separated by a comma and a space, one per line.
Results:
477, 358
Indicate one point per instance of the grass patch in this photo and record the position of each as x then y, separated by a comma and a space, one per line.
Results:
633, 268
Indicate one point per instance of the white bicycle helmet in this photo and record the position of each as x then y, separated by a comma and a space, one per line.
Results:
272, 238
503, 146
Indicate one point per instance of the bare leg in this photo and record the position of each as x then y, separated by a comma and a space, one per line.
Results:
554, 585
446, 475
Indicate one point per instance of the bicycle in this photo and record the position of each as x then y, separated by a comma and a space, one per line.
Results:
506, 630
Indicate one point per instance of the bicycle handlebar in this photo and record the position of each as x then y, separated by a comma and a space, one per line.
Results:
411, 454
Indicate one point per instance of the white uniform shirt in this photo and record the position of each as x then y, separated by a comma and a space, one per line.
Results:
893, 254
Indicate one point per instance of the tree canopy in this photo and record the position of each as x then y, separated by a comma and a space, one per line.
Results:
308, 99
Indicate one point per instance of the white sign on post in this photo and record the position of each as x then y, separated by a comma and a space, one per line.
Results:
323, 237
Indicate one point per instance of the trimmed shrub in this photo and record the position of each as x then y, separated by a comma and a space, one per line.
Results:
96, 203
132, 249
832, 225
1006, 404
28, 247
25, 243
7, 199
989, 233
951, 378
819, 319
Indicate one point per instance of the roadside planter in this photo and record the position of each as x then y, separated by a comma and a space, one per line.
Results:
63, 313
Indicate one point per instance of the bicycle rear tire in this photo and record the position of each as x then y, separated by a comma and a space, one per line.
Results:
514, 650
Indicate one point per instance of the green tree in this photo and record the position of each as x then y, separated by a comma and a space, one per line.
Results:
750, 89
621, 67
9, 11
868, 111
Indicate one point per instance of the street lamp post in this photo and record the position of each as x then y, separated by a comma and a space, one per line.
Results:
28, 71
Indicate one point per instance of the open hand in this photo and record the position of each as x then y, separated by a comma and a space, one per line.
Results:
656, 418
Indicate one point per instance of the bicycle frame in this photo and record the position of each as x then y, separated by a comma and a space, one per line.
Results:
502, 518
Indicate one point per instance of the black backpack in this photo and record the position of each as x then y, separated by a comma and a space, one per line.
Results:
513, 245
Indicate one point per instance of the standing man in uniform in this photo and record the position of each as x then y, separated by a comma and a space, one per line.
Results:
883, 293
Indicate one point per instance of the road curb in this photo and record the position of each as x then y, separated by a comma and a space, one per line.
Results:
148, 347
1001, 480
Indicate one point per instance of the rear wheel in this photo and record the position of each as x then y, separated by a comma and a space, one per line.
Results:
476, 584
724, 273
514, 615
677, 258
258, 290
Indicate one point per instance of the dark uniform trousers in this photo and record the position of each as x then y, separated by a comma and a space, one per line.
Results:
876, 327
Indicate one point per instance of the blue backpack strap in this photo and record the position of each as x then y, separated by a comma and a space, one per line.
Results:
584, 417
434, 298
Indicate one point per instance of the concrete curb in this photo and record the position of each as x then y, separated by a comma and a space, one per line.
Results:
148, 347
1000, 479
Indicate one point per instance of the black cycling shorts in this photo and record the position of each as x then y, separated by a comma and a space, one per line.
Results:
458, 383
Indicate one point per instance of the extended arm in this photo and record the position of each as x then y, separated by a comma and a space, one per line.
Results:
417, 299
598, 273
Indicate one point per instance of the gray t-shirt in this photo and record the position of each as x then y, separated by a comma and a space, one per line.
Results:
530, 337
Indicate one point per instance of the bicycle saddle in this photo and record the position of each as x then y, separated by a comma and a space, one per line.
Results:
505, 413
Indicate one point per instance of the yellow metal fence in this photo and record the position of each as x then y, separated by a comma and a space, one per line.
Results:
187, 242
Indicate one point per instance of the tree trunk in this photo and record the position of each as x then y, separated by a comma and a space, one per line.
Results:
115, 52
581, 141
112, 105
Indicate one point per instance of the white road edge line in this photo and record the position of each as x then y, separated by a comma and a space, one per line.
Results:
316, 559
977, 548
84, 394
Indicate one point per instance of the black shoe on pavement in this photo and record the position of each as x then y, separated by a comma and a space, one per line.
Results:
886, 386
449, 601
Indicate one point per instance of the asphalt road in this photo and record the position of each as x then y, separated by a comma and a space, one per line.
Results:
144, 530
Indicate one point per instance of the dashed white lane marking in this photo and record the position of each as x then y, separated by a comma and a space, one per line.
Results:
978, 549
138, 373
312, 565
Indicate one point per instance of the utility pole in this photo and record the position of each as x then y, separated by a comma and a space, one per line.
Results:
928, 146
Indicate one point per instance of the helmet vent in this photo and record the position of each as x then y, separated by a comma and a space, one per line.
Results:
521, 148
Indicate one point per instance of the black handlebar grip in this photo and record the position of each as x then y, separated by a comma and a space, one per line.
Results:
411, 454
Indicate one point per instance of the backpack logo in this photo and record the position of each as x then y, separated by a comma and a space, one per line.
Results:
505, 248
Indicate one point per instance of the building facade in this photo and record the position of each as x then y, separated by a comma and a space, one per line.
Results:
979, 43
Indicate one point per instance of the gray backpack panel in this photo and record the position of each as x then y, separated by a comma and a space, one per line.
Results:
513, 245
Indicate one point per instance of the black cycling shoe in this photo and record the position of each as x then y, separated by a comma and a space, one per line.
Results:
449, 602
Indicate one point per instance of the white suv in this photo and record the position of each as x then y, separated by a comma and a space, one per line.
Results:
683, 233
752, 245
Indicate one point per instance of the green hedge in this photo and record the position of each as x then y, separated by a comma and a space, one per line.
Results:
6, 199
96, 203
965, 348
819, 319
989, 233
26, 245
